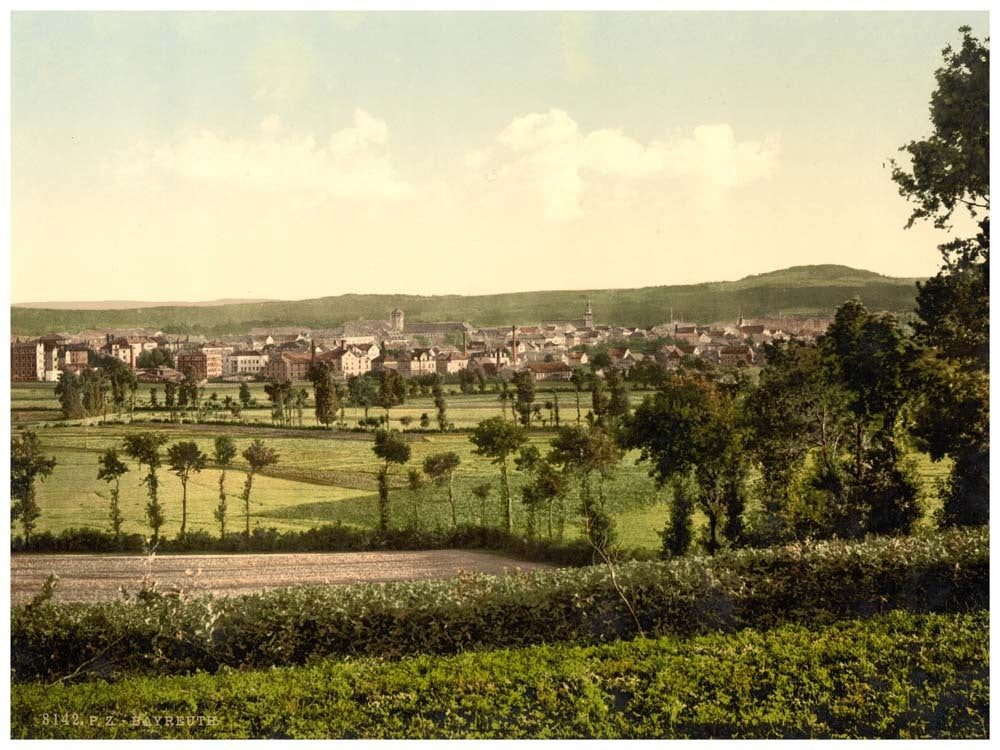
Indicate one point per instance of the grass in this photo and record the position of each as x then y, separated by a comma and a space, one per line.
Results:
893, 676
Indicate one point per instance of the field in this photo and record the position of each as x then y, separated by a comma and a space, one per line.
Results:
325, 477
99, 577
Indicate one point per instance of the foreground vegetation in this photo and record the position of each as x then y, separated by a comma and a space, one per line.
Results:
897, 675
154, 634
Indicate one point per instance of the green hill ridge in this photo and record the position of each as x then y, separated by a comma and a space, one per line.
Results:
805, 291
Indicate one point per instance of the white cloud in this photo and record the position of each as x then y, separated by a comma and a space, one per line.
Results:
547, 153
352, 162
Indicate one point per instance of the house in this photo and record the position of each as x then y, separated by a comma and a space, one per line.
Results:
74, 357
193, 363
244, 363
734, 356
418, 362
159, 375
27, 361
577, 359
214, 355
349, 361
451, 362
127, 348
291, 366
549, 370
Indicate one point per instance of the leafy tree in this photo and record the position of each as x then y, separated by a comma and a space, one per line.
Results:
94, 392
258, 457
554, 408
154, 400
155, 358
440, 467
392, 448
497, 438
70, 394
121, 380
225, 452
27, 464
322, 375
391, 390
546, 488
582, 452
170, 395
245, 397
579, 379
442, 407
279, 393
110, 468
950, 170
951, 167
618, 405
183, 458
482, 492
425, 421
690, 425
144, 448
679, 531
362, 391
599, 399
524, 396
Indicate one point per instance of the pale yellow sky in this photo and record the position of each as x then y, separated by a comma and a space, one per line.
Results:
204, 156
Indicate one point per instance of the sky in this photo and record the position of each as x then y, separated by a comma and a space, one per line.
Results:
197, 156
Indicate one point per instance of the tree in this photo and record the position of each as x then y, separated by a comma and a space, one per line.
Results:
952, 166
678, 533
279, 393
325, 391
618, 405
183, 458
392, 448
481, 492
154, 400
69, 392
690, 426
225, 452
547, 485
950, 170
170, 396
27, 464
144, 448
599, 399
497, 438
524, 396
504, 395
121, 380
362, 391
110, 468
440, 467
258, 457
245, 397
155, 358
579, 379
442, 407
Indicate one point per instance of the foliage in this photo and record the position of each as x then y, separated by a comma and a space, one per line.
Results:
258, 457
144, 448
224, 453
441, 467
497, 438
815, 583
110, 468
392, 448
185, 458
27, 465
893, 676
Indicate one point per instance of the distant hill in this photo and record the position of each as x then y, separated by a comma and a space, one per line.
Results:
130, 304
799, 291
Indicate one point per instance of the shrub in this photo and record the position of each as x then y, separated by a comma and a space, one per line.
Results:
894, 676
748, 588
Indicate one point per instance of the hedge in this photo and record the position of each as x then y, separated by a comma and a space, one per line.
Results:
819, 583
894, 676
333, 537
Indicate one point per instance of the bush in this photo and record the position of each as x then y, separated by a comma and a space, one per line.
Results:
747, 588
893, 676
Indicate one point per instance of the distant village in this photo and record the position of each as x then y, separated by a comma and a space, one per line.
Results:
549, 350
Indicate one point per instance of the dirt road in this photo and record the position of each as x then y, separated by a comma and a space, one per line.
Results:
90, 578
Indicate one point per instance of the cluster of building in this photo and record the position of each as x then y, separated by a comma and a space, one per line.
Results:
550, 350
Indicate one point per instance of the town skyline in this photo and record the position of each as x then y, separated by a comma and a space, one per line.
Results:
294, 156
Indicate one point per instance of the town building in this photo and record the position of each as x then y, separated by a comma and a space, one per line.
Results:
27, 361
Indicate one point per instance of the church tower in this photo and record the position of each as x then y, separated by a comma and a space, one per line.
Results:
588, 316
396, 318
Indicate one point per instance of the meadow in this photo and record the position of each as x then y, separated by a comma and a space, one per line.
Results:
328, 476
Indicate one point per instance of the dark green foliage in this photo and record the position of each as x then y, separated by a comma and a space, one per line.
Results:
144, 448
27, 465
154, 358
497, 438
110, 468
69, 390
440, 467
185, 458
258, 456
679, 531
225, 452
392, 448
524, 396
325, 390
892, 676
736, 589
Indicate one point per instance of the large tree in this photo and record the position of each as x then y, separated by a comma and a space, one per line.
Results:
392, 448
185, 458
327, 397
498, 439
27, 464
948, 172
440, 467
225, 452
110, 468
258, 456
144, 448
